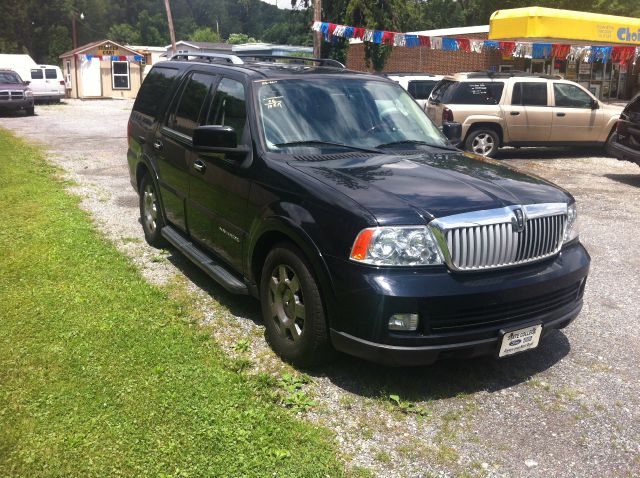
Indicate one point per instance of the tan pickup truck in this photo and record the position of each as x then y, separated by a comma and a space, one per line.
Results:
520, 109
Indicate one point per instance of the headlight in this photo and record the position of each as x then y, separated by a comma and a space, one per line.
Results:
571, 231
396, 246
28, 93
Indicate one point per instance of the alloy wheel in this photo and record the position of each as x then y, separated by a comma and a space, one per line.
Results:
150, 208
483, 144
286, 302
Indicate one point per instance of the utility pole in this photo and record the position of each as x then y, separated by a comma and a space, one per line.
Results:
317, 36
172, 33
74, 36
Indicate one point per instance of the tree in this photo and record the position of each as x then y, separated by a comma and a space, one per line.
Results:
239, 38
124, 34
205, 34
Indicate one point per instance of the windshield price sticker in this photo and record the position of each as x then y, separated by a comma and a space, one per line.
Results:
272, 102
520, 340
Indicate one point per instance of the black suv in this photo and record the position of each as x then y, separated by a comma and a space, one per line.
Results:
329, 195
624, 143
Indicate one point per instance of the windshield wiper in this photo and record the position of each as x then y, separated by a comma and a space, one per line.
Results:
308, 142
415, 141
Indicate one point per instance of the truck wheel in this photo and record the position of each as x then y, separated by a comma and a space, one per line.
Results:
292, 308
483, 141
150, 214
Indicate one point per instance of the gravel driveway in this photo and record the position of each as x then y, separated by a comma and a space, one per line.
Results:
570, 409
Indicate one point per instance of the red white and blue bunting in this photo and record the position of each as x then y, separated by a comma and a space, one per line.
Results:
110, 57
617, 54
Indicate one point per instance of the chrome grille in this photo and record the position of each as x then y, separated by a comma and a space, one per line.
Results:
495, 238
11, 95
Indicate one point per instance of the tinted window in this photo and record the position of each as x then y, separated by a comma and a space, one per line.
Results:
420, 89
229, 106
185, 117
476, 93
154, 89
37, 74
634, 106
570, 96
50, 74
441, 90
529, 94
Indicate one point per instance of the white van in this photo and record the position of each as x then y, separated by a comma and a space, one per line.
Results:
47, 83
419, 85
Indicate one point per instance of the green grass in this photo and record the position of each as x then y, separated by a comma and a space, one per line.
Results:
101, 374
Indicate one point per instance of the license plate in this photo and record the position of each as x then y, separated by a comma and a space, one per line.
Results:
516, 341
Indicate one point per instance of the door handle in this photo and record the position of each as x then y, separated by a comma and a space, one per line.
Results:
514, 113
157, 144
199, 166
561, 114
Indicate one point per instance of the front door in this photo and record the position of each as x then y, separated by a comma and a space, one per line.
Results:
528, 114
172, 145
91, 81
574, 120
219, 185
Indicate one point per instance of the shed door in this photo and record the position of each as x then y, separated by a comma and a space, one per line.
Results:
91, 82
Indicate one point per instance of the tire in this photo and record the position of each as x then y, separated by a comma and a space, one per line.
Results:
292, 308
150, 213
30, 111
483, 141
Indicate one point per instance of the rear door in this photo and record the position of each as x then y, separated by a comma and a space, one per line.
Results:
527, 112
434, 104
38, 84
219, 185
52, 82
172, 144
573, 118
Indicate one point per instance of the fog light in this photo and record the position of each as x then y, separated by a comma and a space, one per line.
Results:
406, 322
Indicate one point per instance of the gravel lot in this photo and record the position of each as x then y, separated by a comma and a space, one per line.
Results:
571, 409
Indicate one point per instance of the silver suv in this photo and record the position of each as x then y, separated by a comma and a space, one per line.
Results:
520, 109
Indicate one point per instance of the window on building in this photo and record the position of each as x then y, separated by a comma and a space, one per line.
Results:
185, 117
50, 74
570, 96
421, 89
120, 79
229, 106
529, 94
477, 93
37, 74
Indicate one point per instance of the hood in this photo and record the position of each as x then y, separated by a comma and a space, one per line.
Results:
403, 189
611, 109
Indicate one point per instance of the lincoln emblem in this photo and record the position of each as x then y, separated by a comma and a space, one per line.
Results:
518, 220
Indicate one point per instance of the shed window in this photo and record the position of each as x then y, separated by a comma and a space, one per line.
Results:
120, 75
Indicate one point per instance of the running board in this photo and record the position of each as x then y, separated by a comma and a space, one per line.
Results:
217, 272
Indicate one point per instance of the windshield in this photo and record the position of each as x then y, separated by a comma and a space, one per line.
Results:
10, 77
342, 114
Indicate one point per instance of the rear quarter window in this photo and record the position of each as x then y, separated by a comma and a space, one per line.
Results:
476, 93
37, 74
154, 90
50, 74
421, 89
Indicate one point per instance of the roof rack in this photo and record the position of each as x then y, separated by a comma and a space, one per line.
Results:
275, 58
234, 59
511, 74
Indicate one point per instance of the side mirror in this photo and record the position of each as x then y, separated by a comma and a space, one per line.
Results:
594, 104
26, 83
453, 131
214, 137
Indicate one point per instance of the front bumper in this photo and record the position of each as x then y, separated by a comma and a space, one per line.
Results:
461, 314
13, 105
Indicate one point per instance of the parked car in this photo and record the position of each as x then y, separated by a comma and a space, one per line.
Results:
625, 141
419, 85
15, 94
329, 196
47, 83
520, 109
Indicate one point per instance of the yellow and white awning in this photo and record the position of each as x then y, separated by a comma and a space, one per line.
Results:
553, 25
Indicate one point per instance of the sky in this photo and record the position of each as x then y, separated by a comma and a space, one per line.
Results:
285, 4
